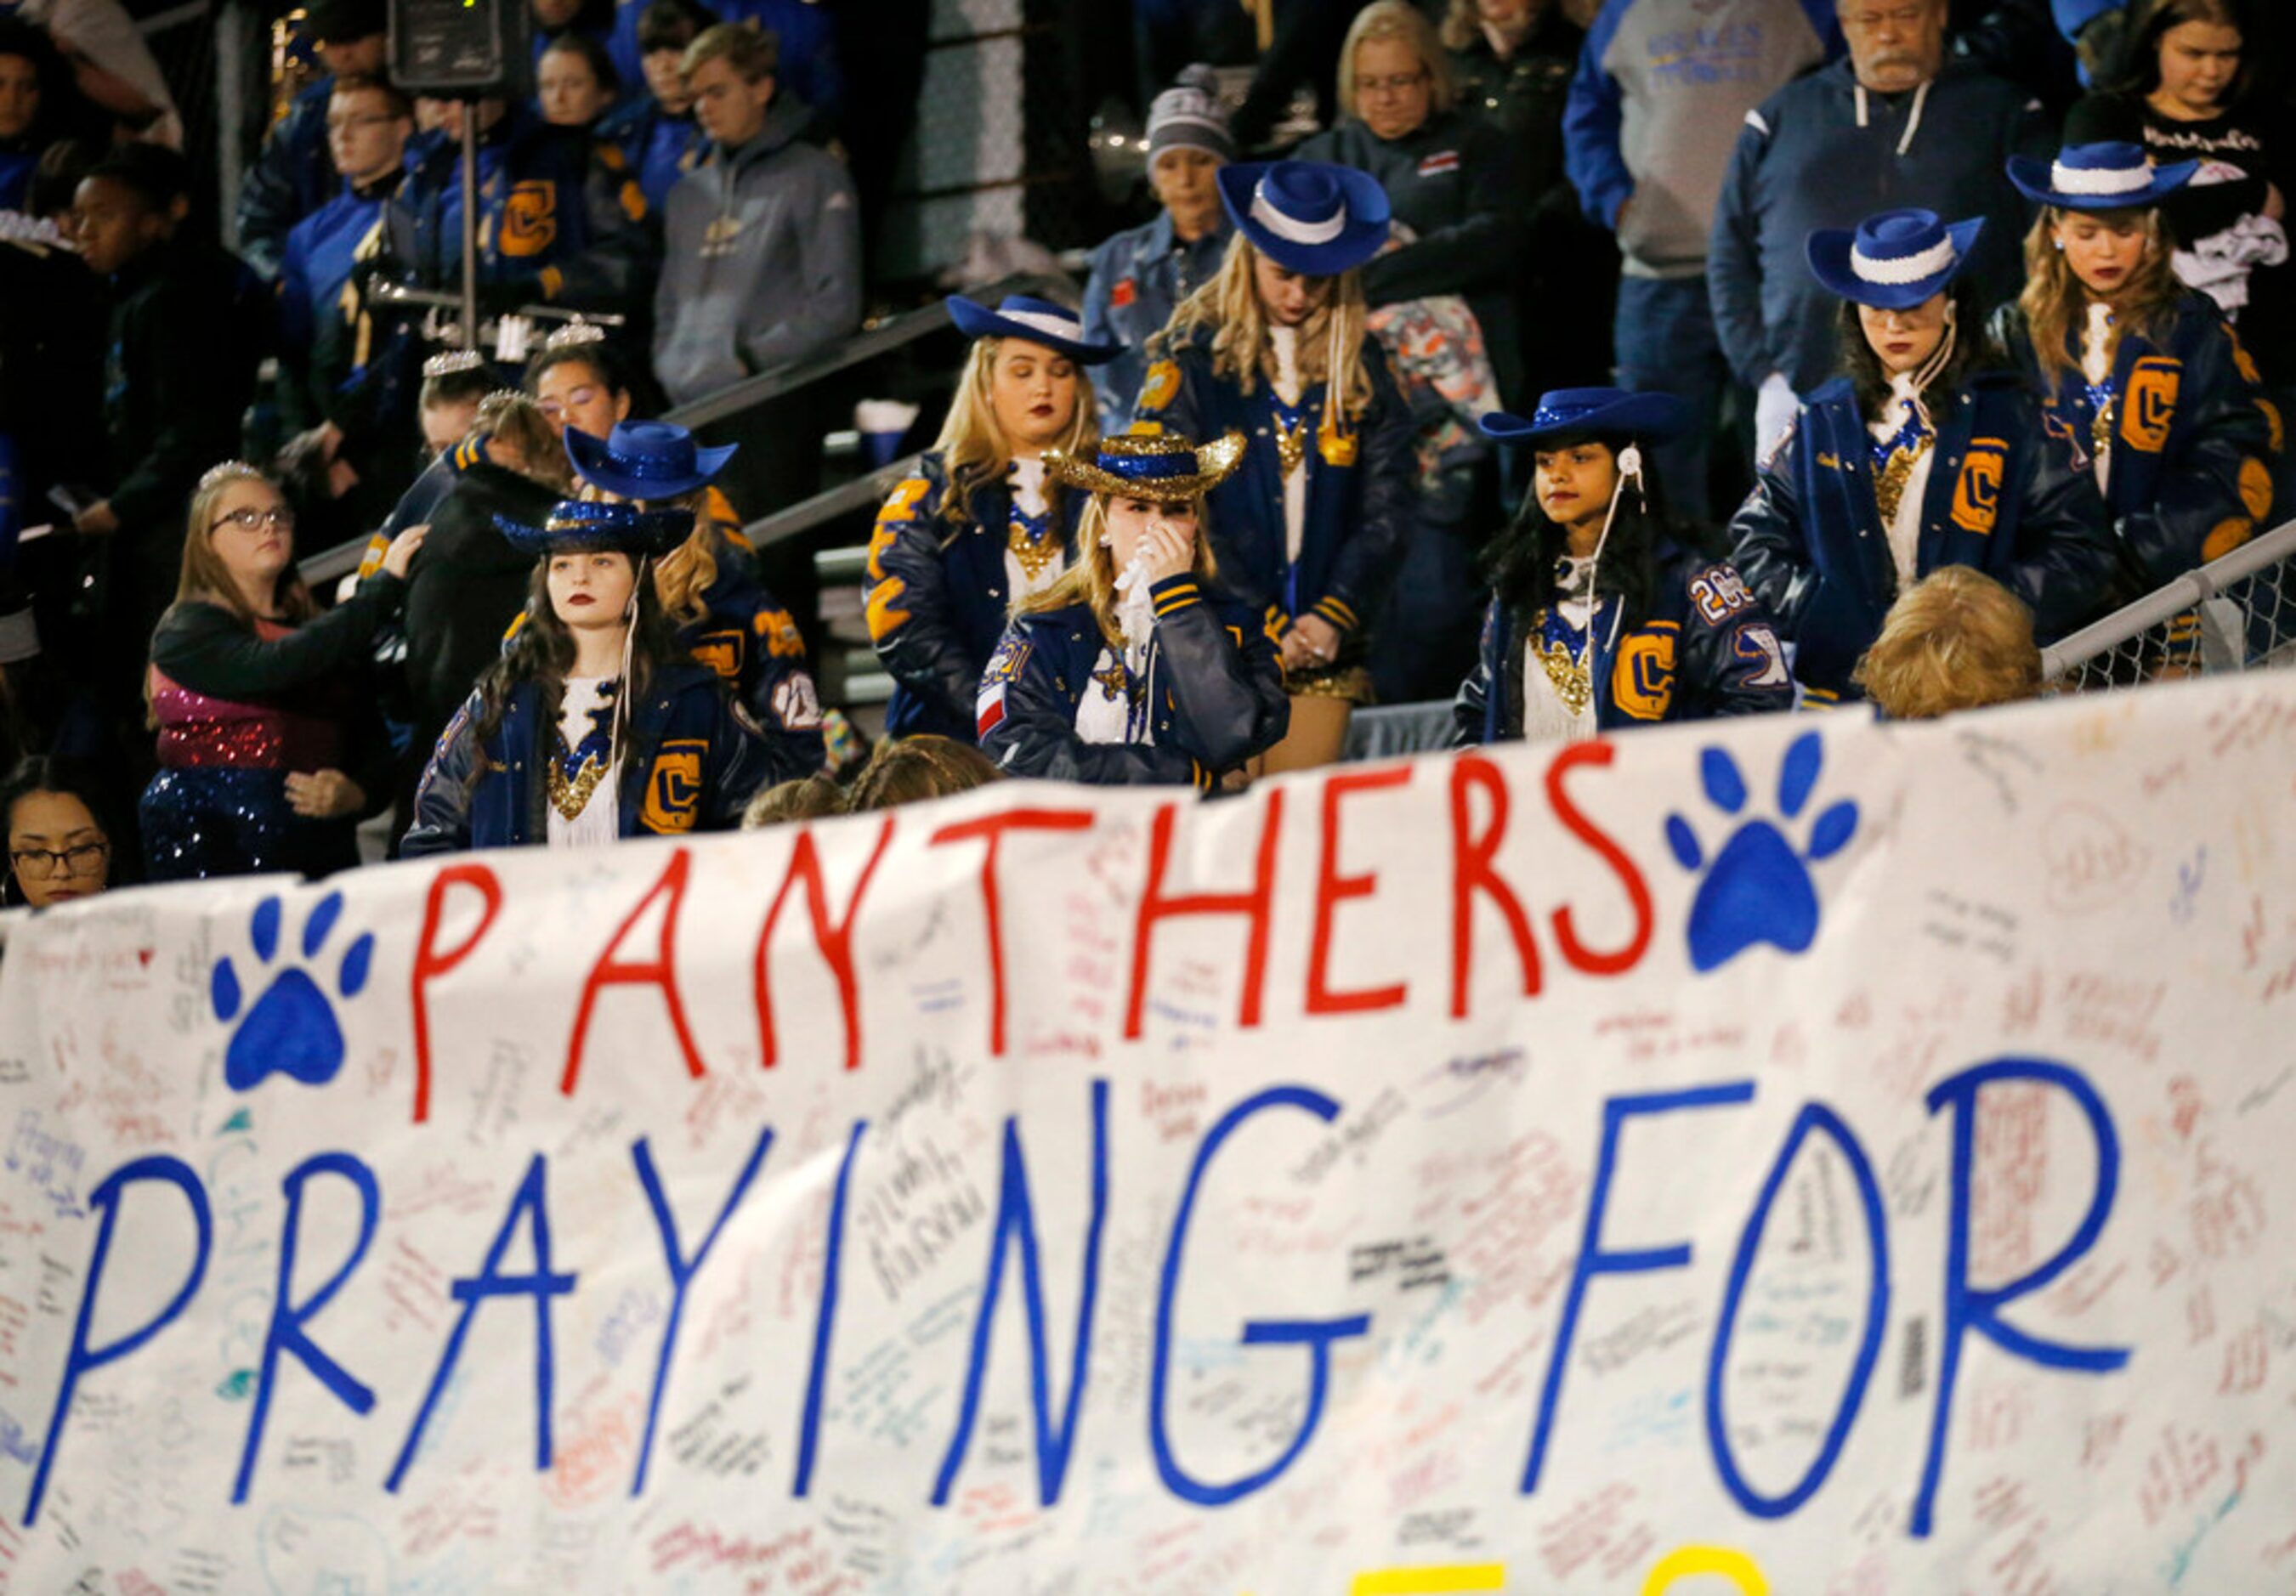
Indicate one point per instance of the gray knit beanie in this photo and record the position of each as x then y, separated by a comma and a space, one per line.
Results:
1190, 113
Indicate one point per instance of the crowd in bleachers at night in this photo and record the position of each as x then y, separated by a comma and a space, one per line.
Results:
1576, 365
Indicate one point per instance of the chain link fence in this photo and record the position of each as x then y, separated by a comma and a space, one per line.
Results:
2236, 613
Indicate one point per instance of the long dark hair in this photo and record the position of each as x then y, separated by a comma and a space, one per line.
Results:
1973, 351
1520, 562
541, 650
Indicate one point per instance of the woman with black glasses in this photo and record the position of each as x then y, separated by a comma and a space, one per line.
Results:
271, 745
59, 834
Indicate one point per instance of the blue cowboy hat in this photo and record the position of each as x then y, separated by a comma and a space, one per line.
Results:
1590, 412
1306, 216
646, 460
581, 527
2098, 177
1893, 261
1037, 321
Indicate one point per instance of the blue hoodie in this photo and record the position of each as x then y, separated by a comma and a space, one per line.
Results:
1824, 152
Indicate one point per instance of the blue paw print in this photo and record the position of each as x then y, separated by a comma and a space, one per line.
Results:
291, 1028
1759, 888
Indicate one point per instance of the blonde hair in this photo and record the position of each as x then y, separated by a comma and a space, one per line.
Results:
518, 420
754, 54
203, 578
2055, 299
816, 797
1092, 579
1954, 640
913, 769
681, 576
1401, 21
1229, 305
973, 448
1463, 24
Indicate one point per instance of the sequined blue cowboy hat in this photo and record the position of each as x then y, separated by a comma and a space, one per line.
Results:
2098, 177
581, 527
1307, 215
1894, 260
1163, 468
1589, 413
646, 460
1038, 321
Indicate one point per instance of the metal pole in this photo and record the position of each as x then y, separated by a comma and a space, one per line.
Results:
470, 224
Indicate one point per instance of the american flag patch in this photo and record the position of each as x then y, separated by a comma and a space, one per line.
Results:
988, 713
1438, 163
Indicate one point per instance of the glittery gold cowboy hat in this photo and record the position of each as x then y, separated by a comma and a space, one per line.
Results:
1165, 468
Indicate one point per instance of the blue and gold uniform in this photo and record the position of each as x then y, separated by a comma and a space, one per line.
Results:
1706, 649
937, 594
2185, 431
1359, 473
687, 764
561, 218
1062, 702
2003, 497
750, 642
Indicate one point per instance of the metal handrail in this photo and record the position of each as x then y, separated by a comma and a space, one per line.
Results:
890, 334
860, 493
2165, 603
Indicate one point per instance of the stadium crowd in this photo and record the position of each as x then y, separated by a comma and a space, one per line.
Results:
1592, 367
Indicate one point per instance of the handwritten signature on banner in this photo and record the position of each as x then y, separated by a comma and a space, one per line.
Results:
1628, 1168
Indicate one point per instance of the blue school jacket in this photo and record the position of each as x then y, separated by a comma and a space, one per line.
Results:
2003, 497
690, 763
936, 597
1706, 648
1360, 483
2191, 477
1213, 695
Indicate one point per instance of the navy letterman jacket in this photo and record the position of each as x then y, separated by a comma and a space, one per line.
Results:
1706, 648
2191, 477
1214, 694
1360, 484
690, 763
2003, 497
936, 594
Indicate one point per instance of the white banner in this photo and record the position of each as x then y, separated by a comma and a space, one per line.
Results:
1810, 1157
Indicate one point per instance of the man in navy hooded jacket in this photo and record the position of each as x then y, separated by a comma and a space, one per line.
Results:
1894, 124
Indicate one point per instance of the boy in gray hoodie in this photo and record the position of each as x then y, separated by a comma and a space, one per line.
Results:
763, 260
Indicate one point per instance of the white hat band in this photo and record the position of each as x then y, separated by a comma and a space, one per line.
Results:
1292, 231
1063, 327
2099, 180
1898, 270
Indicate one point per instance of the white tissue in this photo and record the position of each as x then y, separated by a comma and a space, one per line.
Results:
1135, 608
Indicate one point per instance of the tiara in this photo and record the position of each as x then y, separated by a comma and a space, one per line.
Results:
452, 361
574, 334
230, 470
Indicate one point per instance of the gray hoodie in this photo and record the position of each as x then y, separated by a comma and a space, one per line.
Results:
763, 260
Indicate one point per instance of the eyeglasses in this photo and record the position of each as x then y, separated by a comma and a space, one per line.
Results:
580, 398
1391, 85
256, 521
39, 864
